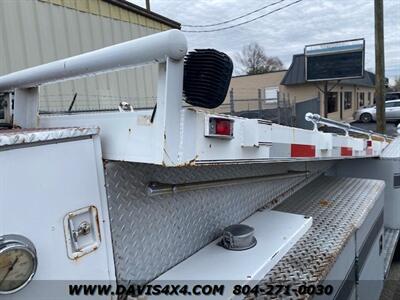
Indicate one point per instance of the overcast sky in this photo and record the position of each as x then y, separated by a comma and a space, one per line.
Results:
286, 32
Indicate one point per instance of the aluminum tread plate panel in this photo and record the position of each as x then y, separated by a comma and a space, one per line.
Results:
338, 207
390, 242
392, 151
27, 136
153, 234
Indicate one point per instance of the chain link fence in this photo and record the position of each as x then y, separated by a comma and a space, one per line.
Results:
278, 109
90, 103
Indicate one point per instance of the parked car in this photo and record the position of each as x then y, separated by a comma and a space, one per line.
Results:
368, 114
392, 96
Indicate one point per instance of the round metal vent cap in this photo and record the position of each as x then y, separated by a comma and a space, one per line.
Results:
238, 237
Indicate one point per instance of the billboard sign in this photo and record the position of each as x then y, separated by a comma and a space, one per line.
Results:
335, 60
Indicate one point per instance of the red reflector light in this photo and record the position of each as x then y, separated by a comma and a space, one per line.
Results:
346, 151
223, 127
219, 127
369, 143
299, 150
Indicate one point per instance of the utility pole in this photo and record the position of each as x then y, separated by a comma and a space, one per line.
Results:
260, 114
379, 68
278, 96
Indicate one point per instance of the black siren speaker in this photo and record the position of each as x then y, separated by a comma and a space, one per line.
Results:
207, 76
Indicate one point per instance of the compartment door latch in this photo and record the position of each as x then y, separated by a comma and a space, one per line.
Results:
82, 232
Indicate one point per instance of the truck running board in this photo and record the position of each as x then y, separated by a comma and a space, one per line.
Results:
390, 243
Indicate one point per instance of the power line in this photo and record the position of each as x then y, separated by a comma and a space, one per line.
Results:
237, 18
245, 22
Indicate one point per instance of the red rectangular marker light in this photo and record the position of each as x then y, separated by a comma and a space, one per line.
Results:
346, 151
299, 150
223, 127
220, 127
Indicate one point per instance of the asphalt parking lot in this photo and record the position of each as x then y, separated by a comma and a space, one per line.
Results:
390, 126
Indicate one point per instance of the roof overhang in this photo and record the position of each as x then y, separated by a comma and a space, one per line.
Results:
144, 12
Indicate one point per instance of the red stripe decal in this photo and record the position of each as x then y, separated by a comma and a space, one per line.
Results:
346, 151
298, 150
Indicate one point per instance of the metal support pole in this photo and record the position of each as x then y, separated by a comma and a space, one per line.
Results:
148, 4
26, 107
278, 94
259, 104
379, 68
294, 112
326, 99
341, 103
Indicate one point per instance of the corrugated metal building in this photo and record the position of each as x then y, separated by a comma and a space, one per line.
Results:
34, 32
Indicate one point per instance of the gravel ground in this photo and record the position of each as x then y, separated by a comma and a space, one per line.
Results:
391, 290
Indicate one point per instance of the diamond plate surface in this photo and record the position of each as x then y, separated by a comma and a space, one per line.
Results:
390, 242
152, 234
27, 136
338, 207
392, 151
